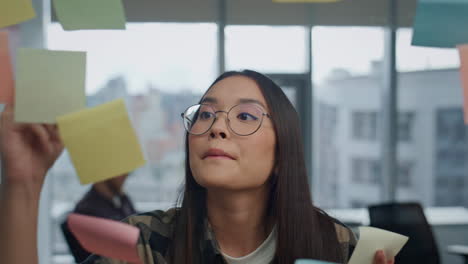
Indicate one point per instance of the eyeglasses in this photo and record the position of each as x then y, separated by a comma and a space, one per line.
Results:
243, 119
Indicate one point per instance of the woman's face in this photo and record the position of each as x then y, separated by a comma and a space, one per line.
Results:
253, 156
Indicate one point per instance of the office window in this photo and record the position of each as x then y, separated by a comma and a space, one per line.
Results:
450, 126
365, 171
368, 171
405, 122
364, 125
429, 100
347, 81
405, 173
267, 49
412, 58
358, 169
451, 157
158, 73
328, 151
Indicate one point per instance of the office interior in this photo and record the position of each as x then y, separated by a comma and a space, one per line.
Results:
382, 120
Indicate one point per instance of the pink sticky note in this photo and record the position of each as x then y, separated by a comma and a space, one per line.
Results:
463, 50
105, 237
6, 70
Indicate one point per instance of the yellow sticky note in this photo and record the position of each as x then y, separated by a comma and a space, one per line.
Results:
463, 51
101, 141
49, 84
15, 11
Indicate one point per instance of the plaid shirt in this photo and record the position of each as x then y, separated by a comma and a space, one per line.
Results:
155, 235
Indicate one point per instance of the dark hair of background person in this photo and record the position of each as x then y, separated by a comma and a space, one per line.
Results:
303, 230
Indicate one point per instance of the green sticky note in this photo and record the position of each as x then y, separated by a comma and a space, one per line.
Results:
101, 141
441, 23
49, 84
90, 14
15, 11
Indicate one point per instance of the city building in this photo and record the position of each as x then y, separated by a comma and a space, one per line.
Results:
431, 135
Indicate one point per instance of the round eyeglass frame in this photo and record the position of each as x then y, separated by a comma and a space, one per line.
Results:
227, 119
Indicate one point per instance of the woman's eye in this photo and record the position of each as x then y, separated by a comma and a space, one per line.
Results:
206, 115
246, 117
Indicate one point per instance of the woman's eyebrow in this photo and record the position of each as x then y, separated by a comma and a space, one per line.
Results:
209, 100
250, 100
240, 101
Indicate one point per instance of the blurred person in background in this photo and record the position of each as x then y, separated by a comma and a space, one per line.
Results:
105, 199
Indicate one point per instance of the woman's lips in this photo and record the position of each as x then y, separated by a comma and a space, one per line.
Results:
217, 153
217, 157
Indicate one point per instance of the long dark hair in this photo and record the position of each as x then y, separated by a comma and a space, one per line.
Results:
303, 231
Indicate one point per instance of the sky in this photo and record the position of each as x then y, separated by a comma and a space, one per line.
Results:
180, 57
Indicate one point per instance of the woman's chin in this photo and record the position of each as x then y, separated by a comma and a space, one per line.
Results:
220, 181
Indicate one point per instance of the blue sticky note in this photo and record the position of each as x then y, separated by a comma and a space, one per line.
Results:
441, 23
311, 261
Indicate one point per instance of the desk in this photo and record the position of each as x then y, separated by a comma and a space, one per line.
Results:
459, 250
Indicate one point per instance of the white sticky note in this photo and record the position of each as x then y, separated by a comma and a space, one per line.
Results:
372, 239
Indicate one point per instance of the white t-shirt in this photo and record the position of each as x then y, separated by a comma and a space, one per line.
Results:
264, 254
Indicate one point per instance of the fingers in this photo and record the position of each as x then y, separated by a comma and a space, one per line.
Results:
379, 257
41, 133
55, 137
8, 108
46, 134
7, 113
52, 131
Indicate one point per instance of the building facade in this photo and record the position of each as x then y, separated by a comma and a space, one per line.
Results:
432, 141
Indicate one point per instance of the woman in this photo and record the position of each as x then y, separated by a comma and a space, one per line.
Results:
246, 197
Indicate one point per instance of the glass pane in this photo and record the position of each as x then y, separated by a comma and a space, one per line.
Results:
433, 144
413, 58
347, 81
159, 69
266, 49
291, 93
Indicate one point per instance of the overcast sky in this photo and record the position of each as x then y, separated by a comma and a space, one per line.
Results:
179, 57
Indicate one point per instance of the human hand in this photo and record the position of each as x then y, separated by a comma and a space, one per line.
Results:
27, 150
380, 258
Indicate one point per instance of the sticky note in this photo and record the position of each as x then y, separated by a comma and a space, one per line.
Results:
6, 70
90, 14
441, 23
101, 142
105, 237
311, 261
372, 239
463, 51
49, 84
15, 11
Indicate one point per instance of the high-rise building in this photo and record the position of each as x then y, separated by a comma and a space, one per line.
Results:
432, 145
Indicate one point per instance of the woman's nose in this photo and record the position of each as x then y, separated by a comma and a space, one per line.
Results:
220, 126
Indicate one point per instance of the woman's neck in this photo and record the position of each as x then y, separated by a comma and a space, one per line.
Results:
239, 219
